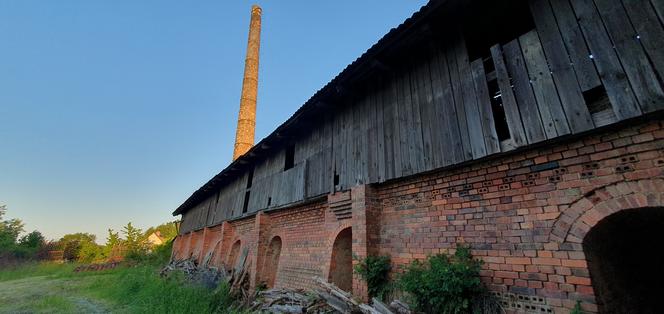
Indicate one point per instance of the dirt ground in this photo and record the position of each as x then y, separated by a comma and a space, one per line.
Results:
43, 294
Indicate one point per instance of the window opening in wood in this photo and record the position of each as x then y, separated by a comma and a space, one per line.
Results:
250, 178
245, 207
599, 106
500, 22
290, 157
336, 178
499, 118
269, 201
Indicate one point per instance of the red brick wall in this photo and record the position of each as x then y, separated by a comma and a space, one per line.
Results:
525, 214
527, 225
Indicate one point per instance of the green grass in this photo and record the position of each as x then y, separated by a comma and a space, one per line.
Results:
55, 288
54, 303
34, 269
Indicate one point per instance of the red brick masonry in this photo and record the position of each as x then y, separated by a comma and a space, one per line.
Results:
524, 213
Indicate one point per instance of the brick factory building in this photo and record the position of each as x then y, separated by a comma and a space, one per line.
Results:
530, 130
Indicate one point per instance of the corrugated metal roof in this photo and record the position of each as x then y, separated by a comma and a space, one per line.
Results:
227, 174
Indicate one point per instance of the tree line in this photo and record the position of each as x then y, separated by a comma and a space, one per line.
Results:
130, 242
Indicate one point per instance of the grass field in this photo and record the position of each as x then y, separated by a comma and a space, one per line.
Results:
55, 288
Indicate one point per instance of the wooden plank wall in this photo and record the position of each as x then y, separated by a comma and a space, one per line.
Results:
434, 108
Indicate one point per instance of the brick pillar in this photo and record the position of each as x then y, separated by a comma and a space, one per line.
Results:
227, 232
202, 252
262, 230
365, 231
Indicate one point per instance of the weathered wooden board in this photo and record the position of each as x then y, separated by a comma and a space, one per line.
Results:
398, 139
484, 103
659, 8
512, 115
473, 119
422, 100
610, 70
631, 54
573, 38
550, 108
460, 109
402, 118
532, 122
651, 34
444, 99
571, 97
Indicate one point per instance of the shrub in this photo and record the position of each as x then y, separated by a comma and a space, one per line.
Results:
443, 283
374, 271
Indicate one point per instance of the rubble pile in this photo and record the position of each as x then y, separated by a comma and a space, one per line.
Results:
325, 298
96, 267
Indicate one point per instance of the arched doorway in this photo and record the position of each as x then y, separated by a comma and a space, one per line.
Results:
271, 264
232, 257
341, 265
625, 258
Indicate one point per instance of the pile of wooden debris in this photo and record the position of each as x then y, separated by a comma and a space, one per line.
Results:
325, 298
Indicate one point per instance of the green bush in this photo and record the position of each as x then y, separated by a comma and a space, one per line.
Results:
443, 283
374, 270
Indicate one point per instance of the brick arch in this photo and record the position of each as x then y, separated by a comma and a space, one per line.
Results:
333, 235
574, 223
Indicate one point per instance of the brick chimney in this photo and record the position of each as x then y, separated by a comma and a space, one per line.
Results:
246, 121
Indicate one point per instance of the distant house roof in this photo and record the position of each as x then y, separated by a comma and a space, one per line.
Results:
312, 105
155, 238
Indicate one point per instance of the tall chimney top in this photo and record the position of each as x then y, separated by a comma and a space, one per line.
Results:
255, 9
246, 121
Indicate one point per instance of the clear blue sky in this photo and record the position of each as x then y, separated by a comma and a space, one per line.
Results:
116, 111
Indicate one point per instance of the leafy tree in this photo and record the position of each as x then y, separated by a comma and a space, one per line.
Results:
9, 231
30, 244
73, 243
89, 251
113, 246
134, 242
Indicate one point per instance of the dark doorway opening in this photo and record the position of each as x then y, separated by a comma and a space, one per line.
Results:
624, 254
272, 262
233, 257
341, 265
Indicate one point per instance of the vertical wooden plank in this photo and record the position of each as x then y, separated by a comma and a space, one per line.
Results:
418, 151
634, 60
459, 103
610, 70
650, 32
484, 102
372, 134
365, 145
387, 112
438, 134
393, 115
571, 35
551, 110
380, 130
445, 102
564, 77
659, 8
420, 101
512, 115
473, 120
414, 138
530, 116
404, 127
